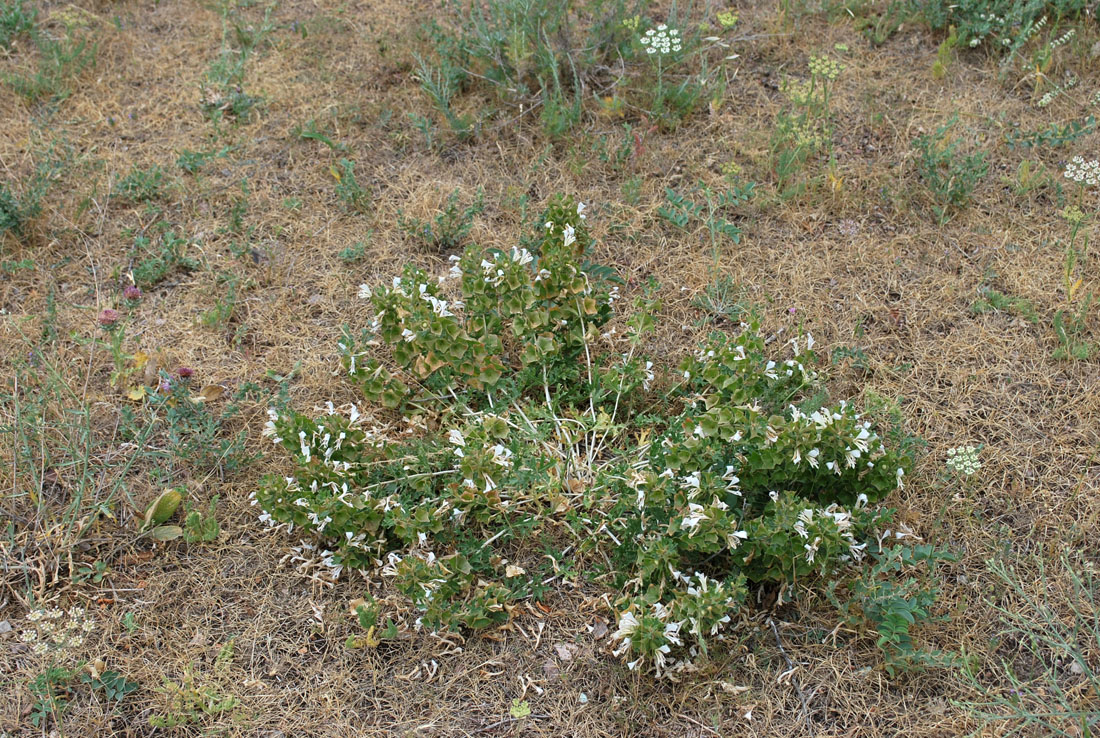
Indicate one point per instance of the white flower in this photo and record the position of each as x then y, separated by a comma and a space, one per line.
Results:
812, 457
569, 236
502, 456
455, 436
694, 517
580, 210
811, 550
733, 540
439, 307
364, 292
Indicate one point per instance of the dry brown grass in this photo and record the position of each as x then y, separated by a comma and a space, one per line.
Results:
900, 288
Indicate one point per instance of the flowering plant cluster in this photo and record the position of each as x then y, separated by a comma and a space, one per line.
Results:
542, 445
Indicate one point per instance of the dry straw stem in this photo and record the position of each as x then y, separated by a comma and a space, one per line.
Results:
859, 265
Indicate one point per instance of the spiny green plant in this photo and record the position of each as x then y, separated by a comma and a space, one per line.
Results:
683, 211
1053, 136
195, 698
157, 258
950, 175
679, 492
16, 18
993, 301
141, 185
19, 209
352, 194
897, 591
448, 230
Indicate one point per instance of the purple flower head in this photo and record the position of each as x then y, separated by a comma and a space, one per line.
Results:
109, 317
132, 292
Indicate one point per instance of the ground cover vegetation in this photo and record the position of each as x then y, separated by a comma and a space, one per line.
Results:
549, 367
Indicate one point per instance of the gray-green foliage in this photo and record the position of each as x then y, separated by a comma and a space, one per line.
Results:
1053, 686
535, 53
1003, 22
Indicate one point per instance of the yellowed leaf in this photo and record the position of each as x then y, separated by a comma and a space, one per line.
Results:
136, 393
209, 393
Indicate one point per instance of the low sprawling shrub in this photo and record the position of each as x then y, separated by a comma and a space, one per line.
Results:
542, 445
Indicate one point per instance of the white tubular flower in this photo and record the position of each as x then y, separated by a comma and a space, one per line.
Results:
455, 436
694, 517
628, 623
811, 550
812, 457
502, 456
522, 256
569, 236
364, 292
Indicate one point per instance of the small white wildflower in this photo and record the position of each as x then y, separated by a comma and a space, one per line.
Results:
695, 516
569, 236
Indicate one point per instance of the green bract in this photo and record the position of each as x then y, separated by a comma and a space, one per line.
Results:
550, 449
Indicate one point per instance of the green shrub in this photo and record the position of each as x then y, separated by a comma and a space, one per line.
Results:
675, 491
